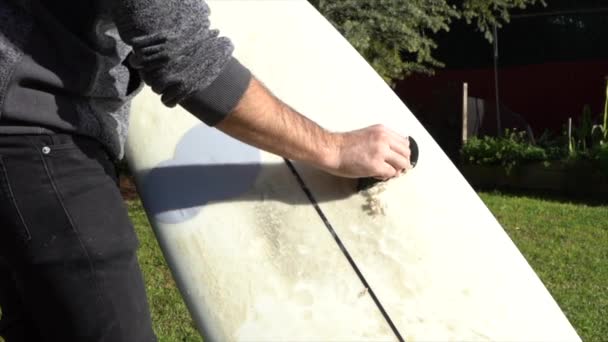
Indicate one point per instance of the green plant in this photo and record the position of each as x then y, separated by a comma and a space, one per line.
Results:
554, 146
599, 133
605, 126
508, 150
581, 134
587, 137
602, 154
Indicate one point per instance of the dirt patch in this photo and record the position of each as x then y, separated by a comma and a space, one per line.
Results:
127, 188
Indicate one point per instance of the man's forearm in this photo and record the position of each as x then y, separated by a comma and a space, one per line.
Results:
262, 120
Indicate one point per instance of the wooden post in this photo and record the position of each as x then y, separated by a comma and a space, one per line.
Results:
465, 112
496, 86
570, 146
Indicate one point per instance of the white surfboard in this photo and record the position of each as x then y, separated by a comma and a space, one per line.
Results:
250, 255
263, 253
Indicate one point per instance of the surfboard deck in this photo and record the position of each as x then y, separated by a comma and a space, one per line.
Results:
253, 258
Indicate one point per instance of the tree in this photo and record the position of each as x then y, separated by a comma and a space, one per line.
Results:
395, 36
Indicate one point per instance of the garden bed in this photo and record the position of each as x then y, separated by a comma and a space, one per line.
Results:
573, 178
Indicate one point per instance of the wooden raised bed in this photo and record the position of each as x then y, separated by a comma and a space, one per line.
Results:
580, 179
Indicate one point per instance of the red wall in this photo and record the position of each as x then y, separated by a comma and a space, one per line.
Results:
545, 94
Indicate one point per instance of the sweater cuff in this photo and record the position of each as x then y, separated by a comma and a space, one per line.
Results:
214, 102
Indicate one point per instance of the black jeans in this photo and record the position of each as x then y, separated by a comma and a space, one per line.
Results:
68, 268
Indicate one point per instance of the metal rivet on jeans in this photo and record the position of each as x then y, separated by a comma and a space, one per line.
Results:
46, 150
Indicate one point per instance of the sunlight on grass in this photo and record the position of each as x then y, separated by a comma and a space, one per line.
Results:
567, 245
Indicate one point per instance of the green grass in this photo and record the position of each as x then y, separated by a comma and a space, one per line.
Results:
170, 317
566, 244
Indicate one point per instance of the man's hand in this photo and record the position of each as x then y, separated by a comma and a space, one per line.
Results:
375, 151
262, 120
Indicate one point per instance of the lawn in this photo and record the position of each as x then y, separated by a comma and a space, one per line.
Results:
566, 244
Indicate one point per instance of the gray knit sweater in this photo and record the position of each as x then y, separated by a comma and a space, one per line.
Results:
73, 65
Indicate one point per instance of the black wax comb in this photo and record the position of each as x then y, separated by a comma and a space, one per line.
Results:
368, 182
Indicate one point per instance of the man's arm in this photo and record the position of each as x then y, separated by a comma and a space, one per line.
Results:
189, 64
180, 57
262, 120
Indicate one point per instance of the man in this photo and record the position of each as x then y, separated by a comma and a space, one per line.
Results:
68, 69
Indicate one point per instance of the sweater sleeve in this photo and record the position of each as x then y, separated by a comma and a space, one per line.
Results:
180, 57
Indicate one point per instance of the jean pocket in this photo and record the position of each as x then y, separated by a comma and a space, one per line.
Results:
12, 224
82, 154
91, 200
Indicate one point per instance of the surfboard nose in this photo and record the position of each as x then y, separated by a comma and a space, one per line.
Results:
367, 182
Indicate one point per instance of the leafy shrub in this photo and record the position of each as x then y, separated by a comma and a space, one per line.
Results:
555, 147
588, 139
508, 150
